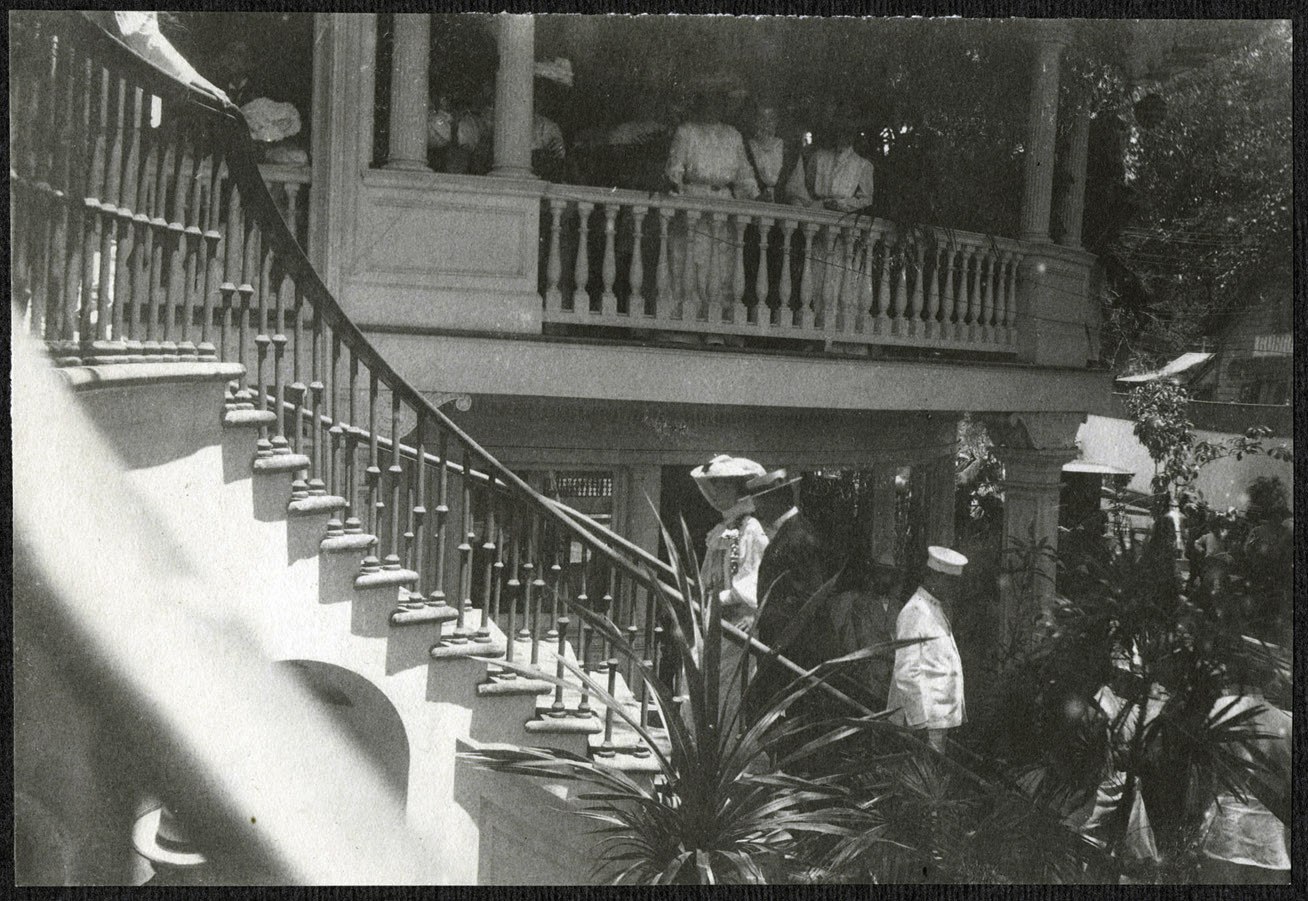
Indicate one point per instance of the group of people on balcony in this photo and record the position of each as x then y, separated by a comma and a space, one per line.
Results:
691, 149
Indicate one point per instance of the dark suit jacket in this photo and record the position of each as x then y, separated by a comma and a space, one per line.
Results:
795, 565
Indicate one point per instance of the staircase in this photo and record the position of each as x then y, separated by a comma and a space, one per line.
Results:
350, 522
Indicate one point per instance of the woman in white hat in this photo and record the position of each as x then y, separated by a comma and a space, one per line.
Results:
927, 686
733, 551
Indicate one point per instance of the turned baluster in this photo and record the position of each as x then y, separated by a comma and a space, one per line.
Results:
606, 610
419, 512
609, 263
331, 461
554, 264
184, 245
636, 273
606, 748
900, 308
126, 230
497, 571
948, 300
58, 324
824, 306
464, 550
108, 182
353, 525
739, 288
1011, 295
846, 313
515, 588
713, 305
232, 275
688, 302
213, 277
437, 596
531, 615
372, 479
560, 633
298, 391
867, 289
280, 445
785, 315
804, 319
762, 312
987, 299
662, 273
581, 272
142, 238
884, 300
918, 299
257, 276
78, 266
488, 568
317, 387
395, 474
556, 573
292, 218
1004, 299
171, 231
156, 238
974, 294
933, 296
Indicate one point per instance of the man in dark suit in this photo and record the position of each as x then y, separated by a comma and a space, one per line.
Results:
794, 566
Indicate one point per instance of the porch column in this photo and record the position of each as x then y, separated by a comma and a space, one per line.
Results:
1071, 210
1042, 121
1033, 448
409, 91
514, 95
883, 508
940, 502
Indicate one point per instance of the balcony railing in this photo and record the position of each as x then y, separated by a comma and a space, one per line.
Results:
724, 267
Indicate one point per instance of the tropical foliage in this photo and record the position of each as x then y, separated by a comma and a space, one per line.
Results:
720, 812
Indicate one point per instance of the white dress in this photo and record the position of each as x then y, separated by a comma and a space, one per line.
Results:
706, 160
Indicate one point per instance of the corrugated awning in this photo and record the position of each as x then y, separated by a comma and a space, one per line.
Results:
1183, 363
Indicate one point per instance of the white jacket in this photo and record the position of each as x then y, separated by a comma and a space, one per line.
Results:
927, 687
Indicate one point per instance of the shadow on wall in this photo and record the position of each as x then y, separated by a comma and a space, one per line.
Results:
364, 713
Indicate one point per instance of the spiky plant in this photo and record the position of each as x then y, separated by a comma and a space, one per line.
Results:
719, 813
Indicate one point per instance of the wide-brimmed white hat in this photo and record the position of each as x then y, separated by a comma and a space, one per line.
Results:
944, 560
159, 838
724, 466
769, 481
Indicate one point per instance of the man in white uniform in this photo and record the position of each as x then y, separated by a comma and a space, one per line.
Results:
927, 686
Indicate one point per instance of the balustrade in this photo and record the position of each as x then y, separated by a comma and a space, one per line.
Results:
728, 267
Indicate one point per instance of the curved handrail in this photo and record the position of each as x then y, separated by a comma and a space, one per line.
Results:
258, 203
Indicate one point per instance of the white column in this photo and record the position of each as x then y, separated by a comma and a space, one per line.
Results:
1032, 481
1071, 210
409, 91
1042, 121
513, 96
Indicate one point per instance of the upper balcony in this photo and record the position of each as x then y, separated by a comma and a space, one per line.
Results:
412, 252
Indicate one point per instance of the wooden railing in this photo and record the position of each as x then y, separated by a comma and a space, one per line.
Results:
726, 267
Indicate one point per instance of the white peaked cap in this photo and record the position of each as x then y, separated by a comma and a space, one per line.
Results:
944, 560
727, 467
